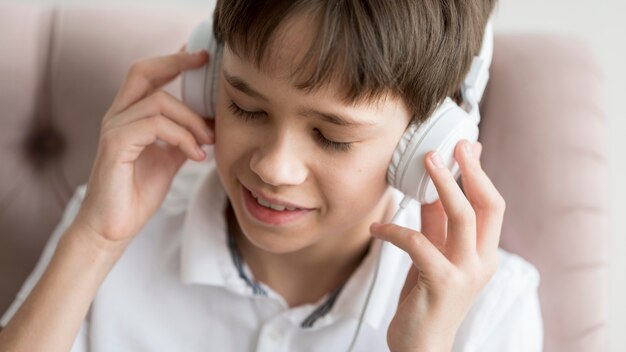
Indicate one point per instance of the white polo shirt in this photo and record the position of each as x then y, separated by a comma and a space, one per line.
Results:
182, 286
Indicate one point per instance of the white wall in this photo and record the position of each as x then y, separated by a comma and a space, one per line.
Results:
602, 25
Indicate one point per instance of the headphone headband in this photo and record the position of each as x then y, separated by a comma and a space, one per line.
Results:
476, 79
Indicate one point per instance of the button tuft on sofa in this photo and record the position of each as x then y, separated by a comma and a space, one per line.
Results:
44, 144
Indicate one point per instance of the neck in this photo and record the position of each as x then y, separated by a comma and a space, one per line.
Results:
306, 275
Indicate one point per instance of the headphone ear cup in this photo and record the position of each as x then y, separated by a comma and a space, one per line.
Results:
442, 131
199, 86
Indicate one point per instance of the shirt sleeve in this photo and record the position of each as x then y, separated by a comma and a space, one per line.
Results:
80, 344
507, 315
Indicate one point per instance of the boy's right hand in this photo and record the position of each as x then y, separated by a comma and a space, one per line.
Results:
132, 174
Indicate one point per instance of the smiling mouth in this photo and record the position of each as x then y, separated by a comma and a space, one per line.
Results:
266, 203
268, 213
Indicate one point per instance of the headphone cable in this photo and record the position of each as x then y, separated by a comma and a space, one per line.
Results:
403, 205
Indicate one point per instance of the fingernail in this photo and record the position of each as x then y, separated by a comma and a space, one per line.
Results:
375, 226
467, 146
200, 152
436, 160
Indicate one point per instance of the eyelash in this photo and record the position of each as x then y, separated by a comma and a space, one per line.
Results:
325, 143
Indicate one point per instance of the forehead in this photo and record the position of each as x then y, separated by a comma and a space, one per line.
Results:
243, 81
287, 48
286, 54
311, 58
266, 80
275, 86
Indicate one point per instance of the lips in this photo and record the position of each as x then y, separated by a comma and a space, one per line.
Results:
264, 198
267, 204
269, 216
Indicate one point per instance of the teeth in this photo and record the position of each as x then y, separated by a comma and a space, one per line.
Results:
277, 207
263, 202
267, 204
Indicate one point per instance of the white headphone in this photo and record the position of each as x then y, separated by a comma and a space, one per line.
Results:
448, 124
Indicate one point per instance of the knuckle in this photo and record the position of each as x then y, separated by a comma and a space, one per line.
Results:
160, 121
158, 100
162, 124
160, 97
110, 141
108, 137
466, 215
136, 69
497, 204
414, 240
186, 136
501, 204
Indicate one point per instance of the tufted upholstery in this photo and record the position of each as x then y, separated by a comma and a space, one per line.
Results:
543, 131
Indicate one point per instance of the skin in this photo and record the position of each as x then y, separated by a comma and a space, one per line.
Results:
454, 255
279, 154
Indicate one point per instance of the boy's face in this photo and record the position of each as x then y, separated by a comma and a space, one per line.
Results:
287, 154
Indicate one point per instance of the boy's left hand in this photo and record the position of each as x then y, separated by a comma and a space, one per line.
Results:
454, 256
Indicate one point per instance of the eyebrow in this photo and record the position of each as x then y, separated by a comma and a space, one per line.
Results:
241, 85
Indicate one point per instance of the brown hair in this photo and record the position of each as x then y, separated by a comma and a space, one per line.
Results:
419, 50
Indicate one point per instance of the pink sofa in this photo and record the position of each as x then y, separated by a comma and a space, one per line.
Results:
543, 131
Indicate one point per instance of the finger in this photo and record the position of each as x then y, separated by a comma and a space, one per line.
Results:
145, 132
484, 198
434, 223
182, 48
163, 103
423, 253
147, 75
460, 240
477, 149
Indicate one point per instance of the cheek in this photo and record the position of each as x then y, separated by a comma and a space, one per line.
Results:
357, 183
229, 143
221, 150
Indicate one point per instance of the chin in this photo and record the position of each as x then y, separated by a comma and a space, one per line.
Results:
274, 242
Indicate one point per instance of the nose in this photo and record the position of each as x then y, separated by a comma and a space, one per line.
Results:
279, 162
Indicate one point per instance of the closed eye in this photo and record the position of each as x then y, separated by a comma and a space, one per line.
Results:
331, 145
246, 115
317, 134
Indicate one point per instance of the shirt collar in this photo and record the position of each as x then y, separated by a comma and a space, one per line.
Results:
206, 259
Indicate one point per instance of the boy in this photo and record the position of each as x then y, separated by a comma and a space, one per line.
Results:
272, 248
